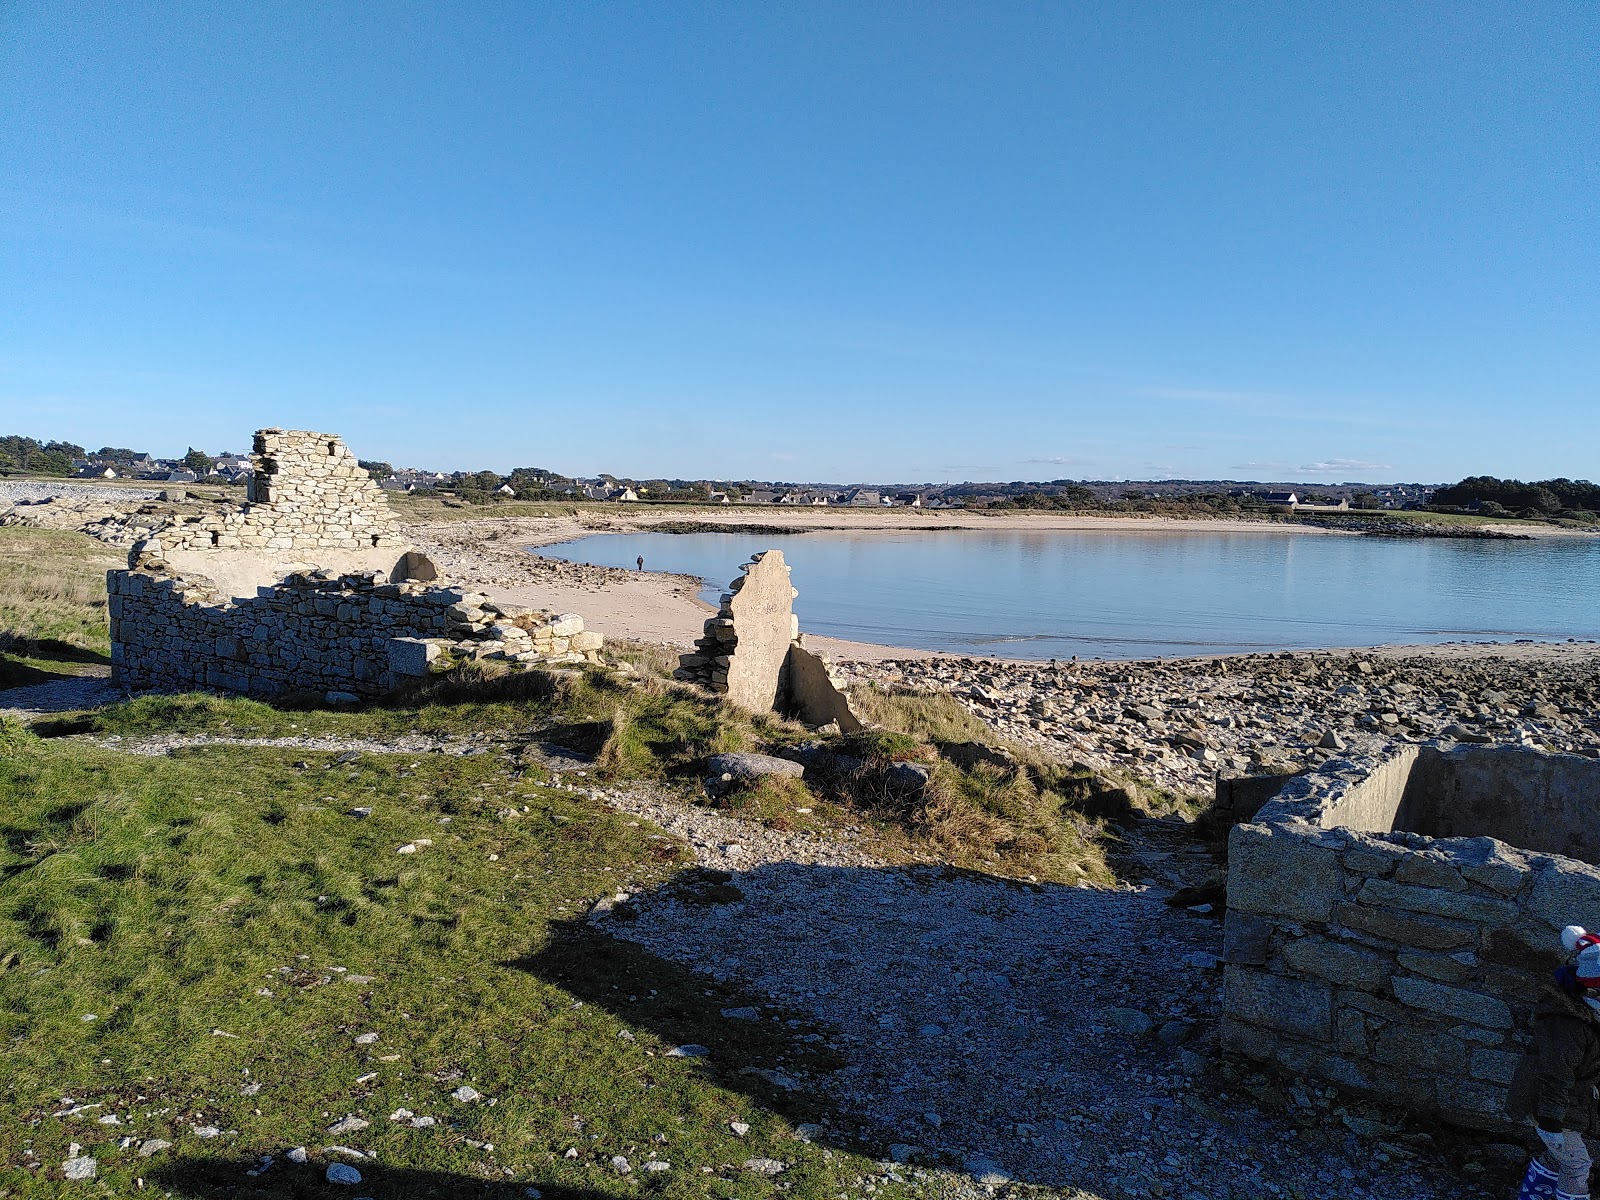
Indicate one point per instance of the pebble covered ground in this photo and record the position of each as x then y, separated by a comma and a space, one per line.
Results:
1178, 722
1012, 1034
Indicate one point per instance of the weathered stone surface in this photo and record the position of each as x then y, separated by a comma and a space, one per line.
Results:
411, 656
1424, 932
814, 694
1337, 963
1496, 1066
1437, 902
1447, 968
1488, 1011
746, 768
1373, 858
762, 614
1246, 939
1294, 1006
1566, 893
1350, 1032
1429, 869
1275, 873
1418, 1049
1473, 1101
1483, 861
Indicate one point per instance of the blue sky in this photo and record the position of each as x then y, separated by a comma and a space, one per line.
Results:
915, 242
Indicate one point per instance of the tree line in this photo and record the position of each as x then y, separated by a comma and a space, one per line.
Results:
1547, 497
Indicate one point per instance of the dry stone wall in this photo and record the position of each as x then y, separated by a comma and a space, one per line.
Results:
348, 635
1399, 966
308, 493
207, 603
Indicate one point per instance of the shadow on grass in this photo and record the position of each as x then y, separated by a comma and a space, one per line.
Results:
685, 1008
28, 661
973, 1021
228, 1177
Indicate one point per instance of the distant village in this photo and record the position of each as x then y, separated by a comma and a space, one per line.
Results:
24, 455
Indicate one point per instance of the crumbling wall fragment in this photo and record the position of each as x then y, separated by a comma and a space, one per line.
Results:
752, 652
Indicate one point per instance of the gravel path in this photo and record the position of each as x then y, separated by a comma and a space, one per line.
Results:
58, 696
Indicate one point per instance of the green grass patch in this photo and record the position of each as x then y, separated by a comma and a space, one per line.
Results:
206, 941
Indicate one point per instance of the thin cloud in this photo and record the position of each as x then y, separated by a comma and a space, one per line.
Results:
1208, 395
1337, 466
1261, 466
1058, 460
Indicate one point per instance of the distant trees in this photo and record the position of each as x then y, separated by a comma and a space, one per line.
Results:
198, 461
18, 453
1073, 495
1364, 500
1543, 498
378, 470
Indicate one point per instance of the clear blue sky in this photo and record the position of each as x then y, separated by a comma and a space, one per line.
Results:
801, 240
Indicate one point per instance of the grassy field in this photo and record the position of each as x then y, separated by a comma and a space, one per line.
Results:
204, 941
52, 603
207, 941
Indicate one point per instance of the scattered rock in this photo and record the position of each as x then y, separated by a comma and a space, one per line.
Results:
342, 1173
1129, 1022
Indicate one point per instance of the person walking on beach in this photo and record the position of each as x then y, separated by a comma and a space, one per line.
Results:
1555, 1083
641, 562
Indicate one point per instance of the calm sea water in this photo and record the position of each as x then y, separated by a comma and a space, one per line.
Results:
1129, 595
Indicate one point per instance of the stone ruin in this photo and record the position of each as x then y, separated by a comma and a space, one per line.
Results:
309, 586
1393, 917
752, 651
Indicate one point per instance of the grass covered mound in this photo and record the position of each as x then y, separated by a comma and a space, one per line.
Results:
215, 949
981, 802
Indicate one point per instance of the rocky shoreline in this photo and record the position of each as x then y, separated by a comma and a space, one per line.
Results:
1178, 723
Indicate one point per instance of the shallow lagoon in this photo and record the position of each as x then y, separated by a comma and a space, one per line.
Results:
1055, 594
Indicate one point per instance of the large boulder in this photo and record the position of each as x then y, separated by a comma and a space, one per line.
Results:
729, 772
